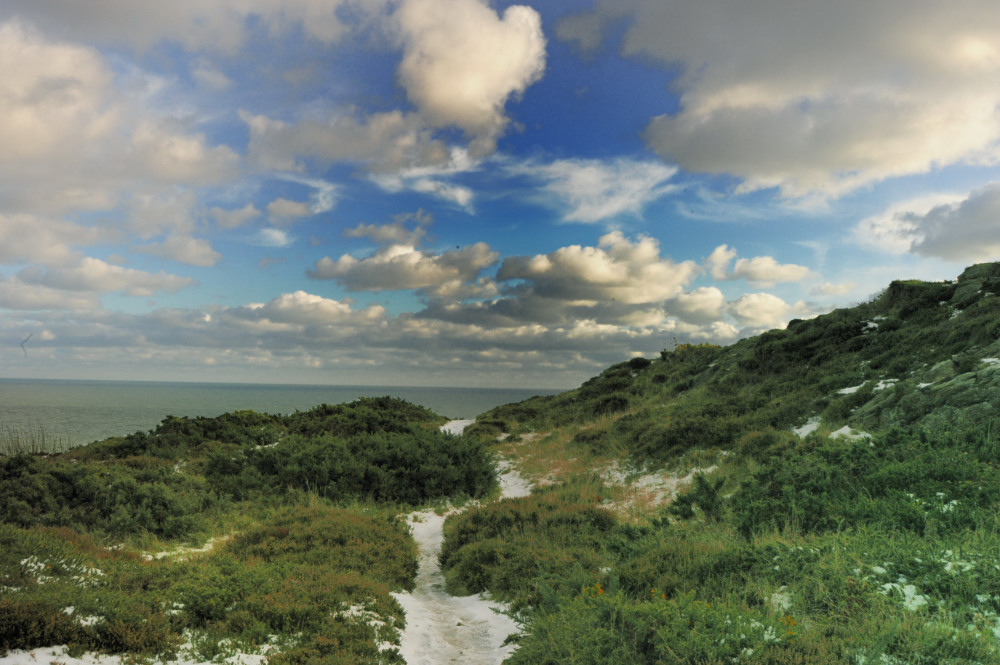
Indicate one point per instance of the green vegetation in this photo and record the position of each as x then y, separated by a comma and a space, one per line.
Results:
840, 503
914, 355
32, 439
298, 517
871, 538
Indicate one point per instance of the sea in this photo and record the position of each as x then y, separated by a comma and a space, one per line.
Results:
72, 413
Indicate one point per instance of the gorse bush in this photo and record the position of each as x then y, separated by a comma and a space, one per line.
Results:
507, 547
897, 479
603, 627
322, 536
166, 481
117, 497
394, 467
29, 624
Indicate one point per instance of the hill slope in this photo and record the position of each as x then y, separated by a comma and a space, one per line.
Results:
918, 353
846, 510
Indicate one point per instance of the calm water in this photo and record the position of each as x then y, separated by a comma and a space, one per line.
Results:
83, 411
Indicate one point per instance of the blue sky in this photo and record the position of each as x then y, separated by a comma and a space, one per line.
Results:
465, 193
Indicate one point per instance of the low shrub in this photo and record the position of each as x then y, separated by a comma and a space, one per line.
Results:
27, 624
515, 546
900, 480
390, 467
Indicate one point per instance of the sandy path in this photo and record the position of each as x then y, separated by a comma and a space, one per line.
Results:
441, 628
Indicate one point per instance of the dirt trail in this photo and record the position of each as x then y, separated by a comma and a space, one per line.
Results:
441, 628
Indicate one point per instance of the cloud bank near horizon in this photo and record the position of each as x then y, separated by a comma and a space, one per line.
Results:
464, 192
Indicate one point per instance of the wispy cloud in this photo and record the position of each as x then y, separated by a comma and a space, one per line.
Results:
271, 237
591, 190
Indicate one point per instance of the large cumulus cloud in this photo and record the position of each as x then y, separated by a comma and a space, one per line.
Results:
616, 270
816, 99
953, 227
398, 267
220, 26
461, 62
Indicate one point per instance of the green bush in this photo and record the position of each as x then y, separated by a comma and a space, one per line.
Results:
606, 627
384, 466
116, 496
899, 480
514, 547
26, 624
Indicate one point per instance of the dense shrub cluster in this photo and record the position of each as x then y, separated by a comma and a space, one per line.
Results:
165, 481
136, 494
509, 546
897, 480
383, 466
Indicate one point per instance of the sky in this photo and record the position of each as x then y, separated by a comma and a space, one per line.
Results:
469, 193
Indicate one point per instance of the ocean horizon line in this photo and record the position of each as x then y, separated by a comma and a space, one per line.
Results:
346, 386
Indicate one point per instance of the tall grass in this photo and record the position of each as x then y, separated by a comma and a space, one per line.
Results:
31, 439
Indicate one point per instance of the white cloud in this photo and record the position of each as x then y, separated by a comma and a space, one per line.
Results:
458, 290
174, 157
18, 295
169, 212
894, 229
830, 289
593, 190
718, 262
759, 271
385, 142
73, 140
98, 276
232, 218
308, 309
219, 26
33, 239
210, 77
50, 94
947, 226
433, 178
401, 267
705, 304
269, 237
395, 233
616, 270
461, 62
760, 310
192, 251
817, 99
460, 196
765, 271
285, 211
324, 195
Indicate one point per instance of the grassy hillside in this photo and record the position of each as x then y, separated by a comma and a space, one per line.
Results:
243, 533
843, 505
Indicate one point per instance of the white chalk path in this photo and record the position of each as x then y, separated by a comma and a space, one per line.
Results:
441, 628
